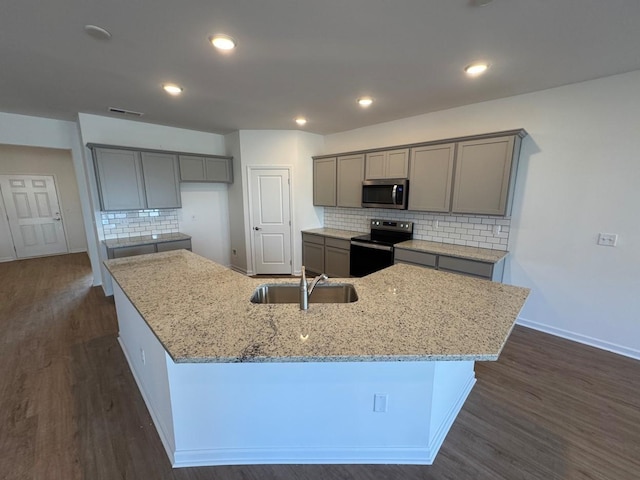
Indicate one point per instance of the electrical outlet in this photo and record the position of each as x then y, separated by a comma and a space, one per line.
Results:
497, 229
608, 239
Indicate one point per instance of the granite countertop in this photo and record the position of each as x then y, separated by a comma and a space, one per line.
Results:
200, 311
334, 233
144, 240
460, 251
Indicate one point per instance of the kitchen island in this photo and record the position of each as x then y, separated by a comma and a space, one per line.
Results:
379, 380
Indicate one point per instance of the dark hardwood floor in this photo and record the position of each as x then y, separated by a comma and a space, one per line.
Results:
70, 409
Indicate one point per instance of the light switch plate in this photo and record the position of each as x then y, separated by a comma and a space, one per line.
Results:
608, 239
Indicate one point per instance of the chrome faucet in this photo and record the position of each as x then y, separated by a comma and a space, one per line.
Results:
306, 290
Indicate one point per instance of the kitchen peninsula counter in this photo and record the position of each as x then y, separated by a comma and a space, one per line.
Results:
380, 380
200, 312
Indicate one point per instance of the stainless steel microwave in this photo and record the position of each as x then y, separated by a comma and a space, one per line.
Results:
385, 193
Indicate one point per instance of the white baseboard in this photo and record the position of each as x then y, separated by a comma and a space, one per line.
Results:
7, 259
239, 270
577, 337
78, 250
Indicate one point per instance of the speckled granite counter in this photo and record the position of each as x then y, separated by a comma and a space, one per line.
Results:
334, 233
144, 240
460, 251
200, 312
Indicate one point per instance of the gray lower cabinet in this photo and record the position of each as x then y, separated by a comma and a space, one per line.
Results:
327, 255
350, 174
148, 248
313, 253
324, 182
475, 268
431, 177
387, 164
337, 255
483, 181
119, 178
161, 180
195, 168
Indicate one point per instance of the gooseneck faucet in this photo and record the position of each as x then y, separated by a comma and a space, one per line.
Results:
306, 290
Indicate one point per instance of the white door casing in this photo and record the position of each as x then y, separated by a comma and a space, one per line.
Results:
270, 219
35, 220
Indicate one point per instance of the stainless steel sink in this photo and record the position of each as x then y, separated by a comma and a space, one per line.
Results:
290, 293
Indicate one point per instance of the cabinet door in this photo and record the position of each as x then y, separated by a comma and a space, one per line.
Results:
174, 245
431, 178
133, 251
119, 177
313, 257
161, 180
397, 164
324, 182
336, 262
219, 169
483, 169
375, 165
350, 177
192, 169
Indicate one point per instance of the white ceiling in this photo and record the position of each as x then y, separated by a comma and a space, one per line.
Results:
301, 57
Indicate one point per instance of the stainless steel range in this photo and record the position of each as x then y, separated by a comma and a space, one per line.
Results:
373, 252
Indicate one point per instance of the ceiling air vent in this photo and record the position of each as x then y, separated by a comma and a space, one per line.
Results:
122, 111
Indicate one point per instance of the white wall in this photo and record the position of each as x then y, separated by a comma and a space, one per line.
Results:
579, 175
113, 131
281, 148
43, 132
205, 216
238, 246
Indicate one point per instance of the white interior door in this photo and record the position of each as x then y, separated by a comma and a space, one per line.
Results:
270, 220
33, 209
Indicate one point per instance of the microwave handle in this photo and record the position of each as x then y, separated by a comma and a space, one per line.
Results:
394, 195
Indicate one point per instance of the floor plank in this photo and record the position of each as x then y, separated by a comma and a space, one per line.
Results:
69, 407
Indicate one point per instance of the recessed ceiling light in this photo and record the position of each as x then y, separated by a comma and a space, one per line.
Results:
365, 102
97, 32
476, 69
301, 121
480, 3
222, 42
172, 89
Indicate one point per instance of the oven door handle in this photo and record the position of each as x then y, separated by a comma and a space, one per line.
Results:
394, 194
371, 245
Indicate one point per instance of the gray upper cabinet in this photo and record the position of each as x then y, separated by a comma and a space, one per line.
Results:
218, 169
161, 180
119, 176
192, 169
483, 181
324, 182
195, 168
387, 164
468, 175
350, 174
431, 177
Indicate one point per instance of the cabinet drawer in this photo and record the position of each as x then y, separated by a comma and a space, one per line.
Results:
308, 237
419, 258
338, 243
175, 245
470, 267
132, 251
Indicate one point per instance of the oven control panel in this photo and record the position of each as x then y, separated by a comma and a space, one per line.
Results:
393, 225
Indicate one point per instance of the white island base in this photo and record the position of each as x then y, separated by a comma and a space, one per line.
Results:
304, 412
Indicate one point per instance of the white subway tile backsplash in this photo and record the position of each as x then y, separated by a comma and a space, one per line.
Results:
139, 222
469, 230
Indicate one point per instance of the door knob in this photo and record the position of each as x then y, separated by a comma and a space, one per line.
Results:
257, 228
57, 217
